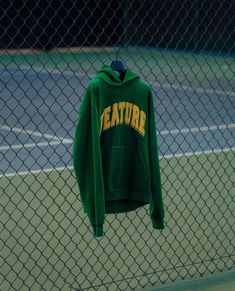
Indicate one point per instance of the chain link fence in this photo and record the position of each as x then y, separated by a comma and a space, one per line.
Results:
49, 52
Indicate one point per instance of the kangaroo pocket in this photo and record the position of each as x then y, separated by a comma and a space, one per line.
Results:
124, 168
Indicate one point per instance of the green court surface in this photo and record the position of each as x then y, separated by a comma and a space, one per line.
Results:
48, 243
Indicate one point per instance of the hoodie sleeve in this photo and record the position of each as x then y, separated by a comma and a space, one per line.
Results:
156, 207
87, 163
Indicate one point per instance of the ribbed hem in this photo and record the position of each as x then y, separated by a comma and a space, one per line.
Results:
120, 206
158, 224
98, 230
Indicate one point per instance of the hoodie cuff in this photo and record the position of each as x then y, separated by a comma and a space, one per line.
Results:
98, 230
158, 224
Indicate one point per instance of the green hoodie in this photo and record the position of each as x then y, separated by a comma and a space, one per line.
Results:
115, 151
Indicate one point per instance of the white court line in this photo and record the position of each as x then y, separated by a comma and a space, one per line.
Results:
197, 129
69, 141
152, 82
56, 71
32, 145
192, 89
24, 173
164, 132
33, 133
30, 132
197, 153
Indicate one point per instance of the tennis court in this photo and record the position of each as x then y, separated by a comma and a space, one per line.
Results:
45, 242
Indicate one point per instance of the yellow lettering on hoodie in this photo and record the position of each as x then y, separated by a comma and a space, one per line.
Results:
128, 112
135, 117
106, 113
142, 122
121, 106
115, 115
123, 113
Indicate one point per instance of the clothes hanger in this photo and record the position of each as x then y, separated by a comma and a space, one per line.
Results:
117, 65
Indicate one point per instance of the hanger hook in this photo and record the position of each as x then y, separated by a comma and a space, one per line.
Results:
117, 52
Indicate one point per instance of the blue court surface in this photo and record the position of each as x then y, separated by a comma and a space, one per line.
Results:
38, 113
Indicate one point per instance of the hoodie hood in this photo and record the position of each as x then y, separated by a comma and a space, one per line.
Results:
111, 77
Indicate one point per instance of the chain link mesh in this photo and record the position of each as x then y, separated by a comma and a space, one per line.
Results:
49, 52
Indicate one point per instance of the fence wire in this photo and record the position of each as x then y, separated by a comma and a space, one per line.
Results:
49, 52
